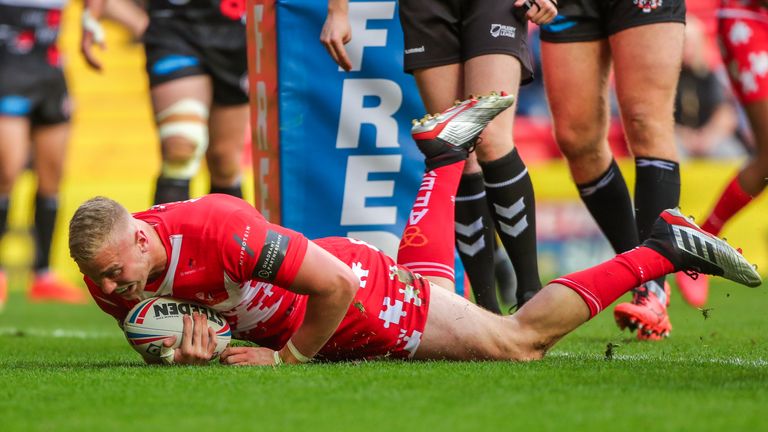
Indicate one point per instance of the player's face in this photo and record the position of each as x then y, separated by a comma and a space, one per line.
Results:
122, 268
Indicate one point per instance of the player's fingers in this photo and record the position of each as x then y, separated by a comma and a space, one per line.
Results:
230, 351
548, 11
232, 355
204, 333
169, 341
329, 47
344, 61
186, 333
535, 11
237, 359
211, 341
336, 48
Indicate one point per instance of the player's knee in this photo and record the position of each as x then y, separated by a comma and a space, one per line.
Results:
580, 140
183, 130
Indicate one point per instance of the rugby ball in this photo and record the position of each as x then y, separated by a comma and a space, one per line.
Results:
157, 318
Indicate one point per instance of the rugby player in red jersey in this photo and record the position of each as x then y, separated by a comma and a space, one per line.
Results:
338, 298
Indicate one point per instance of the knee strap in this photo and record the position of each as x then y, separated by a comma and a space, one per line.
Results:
188, 119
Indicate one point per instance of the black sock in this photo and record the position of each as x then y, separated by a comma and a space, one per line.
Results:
475, 238
46, 209
171, 190
5, 204
657, 188
235, 190
510, 190
607, 199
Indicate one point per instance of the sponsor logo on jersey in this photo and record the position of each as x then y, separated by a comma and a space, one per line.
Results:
500, 30
416, 50
243, 242
271, 257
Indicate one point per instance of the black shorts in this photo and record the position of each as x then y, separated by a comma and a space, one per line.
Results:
178, 48
441, 32
34, 89
590, 20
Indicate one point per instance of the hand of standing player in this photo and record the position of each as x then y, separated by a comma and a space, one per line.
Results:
337, 32
92, 32
539, 11
198, 341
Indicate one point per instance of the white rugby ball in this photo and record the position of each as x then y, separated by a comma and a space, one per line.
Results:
157, 318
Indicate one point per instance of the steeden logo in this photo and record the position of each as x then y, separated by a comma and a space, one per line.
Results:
500, 30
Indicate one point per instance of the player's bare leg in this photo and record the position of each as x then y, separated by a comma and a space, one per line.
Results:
225, 151
14, 150
580, 129
181, 111
50, 149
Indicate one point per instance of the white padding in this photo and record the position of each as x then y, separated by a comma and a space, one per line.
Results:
196, 131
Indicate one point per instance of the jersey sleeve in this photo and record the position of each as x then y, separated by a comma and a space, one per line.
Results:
261, 251
110, 304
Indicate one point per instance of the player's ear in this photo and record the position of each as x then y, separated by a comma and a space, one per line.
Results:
142, 240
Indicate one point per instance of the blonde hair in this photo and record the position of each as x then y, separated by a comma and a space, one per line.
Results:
92, 226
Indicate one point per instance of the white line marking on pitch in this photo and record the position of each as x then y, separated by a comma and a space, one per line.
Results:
729, 361
56, 333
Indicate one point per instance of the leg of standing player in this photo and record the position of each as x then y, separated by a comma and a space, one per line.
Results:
50, 149
507, 182
646, 99
581, 130
228, 126
181, 111
14, 151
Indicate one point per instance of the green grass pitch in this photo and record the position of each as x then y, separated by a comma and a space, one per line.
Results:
68, 368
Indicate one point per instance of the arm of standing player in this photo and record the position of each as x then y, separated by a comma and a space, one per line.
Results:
337, 32
92, 32
330, 286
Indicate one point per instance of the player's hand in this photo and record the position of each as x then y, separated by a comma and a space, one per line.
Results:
539, 11
248, 356
335, 34
93, 34
198, 341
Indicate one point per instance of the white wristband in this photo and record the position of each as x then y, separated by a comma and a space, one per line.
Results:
296, 353
92, 26
278, 360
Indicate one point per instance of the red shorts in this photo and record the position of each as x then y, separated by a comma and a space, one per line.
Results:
743, 33
383, 321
